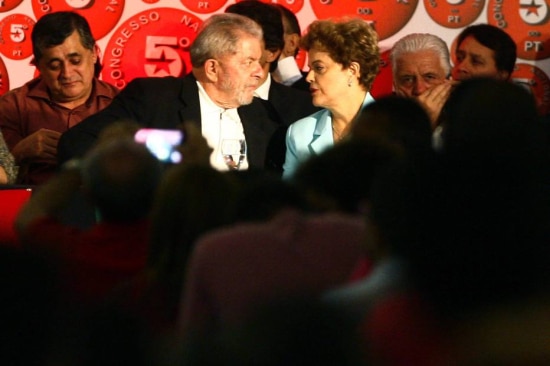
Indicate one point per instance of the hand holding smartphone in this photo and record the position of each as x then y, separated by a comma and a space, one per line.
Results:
161, 143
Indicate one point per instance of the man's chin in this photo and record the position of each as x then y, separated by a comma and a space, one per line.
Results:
246, 100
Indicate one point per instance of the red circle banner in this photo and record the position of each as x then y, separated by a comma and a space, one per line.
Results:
151, 43
15, 36
536, 81
102, 15
7, 5
385, 16
203, 6
454, 13
527, 22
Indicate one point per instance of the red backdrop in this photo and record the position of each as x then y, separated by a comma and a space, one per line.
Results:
151, 37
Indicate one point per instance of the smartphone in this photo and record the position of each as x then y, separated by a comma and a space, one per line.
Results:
161, 143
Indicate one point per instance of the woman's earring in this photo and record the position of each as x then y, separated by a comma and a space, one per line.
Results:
349, 81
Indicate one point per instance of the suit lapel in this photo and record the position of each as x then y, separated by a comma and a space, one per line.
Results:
190, 110
258, 128
322, 134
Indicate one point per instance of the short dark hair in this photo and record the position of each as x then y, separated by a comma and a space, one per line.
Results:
268, 17
291, 19
52, 30
497, 40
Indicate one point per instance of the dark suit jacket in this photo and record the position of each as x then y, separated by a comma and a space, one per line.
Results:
166, 103
290, 104
301, 84
285, 105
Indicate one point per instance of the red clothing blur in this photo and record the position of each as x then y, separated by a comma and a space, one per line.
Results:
29, 108
401, 330
92, 261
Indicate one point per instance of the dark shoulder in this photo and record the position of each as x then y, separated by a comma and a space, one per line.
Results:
301, 84
156, 82
288, 90
156, 87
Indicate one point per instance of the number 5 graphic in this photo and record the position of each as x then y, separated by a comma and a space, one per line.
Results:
162, 50
17, 32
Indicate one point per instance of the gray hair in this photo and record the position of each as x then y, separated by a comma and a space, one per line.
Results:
416, 42
220, 35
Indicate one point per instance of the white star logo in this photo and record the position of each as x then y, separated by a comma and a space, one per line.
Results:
533, 11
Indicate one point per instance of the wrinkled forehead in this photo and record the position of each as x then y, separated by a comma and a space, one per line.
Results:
419, 59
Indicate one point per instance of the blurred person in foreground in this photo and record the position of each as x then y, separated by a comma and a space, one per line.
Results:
403, 124
480, 211
343, 58
119, 177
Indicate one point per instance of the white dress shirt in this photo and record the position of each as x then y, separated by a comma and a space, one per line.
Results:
218, 124
288, 71
263, 90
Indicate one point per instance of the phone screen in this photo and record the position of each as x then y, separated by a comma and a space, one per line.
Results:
161, 143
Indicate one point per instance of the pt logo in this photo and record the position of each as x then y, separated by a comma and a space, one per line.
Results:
203, 6
151, 43
454, 13
527, 22
15, 36
533, 12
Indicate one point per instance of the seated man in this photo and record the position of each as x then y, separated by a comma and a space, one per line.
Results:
226, 71
484, 50
66, 92
288, 71
284, 104
421, 70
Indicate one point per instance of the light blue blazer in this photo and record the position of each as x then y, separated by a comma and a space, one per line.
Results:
310, 136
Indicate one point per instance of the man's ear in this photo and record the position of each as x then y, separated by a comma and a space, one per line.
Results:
96, 53
211, 69
504, 75
292, 42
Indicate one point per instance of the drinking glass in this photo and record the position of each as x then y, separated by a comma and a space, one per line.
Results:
234, 152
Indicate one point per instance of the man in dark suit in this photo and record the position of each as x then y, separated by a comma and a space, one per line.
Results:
289, 104
224, 77
284, 104
288, 72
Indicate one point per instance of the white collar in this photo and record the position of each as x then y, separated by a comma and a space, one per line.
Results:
263, 90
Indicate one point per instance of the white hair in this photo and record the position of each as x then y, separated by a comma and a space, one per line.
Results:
416, 42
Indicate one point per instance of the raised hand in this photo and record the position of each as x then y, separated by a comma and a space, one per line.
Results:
434, 98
